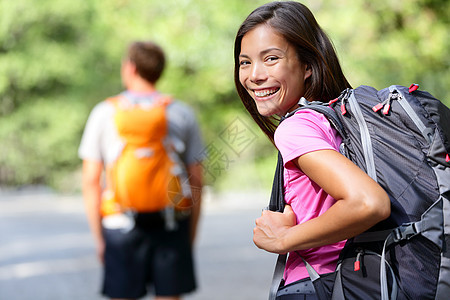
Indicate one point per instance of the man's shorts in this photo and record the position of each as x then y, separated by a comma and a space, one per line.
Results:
148, 255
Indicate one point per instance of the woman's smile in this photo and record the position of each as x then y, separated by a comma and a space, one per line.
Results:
264, 94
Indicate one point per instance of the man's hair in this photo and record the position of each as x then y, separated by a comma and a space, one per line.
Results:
149, 59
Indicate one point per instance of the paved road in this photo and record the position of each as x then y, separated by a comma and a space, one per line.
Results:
46, 250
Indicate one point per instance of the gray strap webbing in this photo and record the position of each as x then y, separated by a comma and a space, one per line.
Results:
383, 277
313, 275
365, 136
426, 132
338, 290
311, 272
277, 276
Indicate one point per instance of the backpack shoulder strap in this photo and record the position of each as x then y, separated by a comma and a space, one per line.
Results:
118, 102
276, 202
164, 100
325, 109
113, 100
277, 276
160, 99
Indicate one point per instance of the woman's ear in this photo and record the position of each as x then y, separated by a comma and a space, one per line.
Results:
308, 72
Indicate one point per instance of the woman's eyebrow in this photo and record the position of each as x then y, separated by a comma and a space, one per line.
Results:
263, 52
271, 49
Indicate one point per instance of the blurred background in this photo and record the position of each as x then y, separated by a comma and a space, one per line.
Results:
58, 58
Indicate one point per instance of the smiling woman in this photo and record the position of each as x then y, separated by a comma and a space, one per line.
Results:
281, 56
294, 27
270, 71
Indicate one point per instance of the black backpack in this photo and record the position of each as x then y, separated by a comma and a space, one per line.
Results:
400, 137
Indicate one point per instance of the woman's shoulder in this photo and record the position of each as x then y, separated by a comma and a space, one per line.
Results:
306, 118
305, 125
309, 115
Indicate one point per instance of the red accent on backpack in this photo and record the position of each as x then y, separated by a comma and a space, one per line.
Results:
413, 87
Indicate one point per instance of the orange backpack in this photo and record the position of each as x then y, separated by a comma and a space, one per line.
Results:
144, 177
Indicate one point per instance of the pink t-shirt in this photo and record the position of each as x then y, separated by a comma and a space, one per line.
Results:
304, 132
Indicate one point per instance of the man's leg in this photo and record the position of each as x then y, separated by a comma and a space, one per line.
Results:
124, 277
173, 267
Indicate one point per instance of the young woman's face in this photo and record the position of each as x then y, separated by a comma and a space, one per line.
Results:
270, 71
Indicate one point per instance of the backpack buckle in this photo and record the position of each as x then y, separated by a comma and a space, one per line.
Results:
405, 232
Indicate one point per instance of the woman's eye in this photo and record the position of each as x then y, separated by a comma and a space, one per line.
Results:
244, 62
271, 58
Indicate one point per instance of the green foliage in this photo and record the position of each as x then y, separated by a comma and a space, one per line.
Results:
392, 42
58, 58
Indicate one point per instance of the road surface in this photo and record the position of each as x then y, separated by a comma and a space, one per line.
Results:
47, 252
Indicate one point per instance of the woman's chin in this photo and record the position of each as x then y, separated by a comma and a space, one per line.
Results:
265, 111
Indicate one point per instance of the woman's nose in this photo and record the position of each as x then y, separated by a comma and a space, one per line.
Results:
258, 73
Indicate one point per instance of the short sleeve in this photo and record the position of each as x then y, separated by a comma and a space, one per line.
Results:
186, 133
304, 132
90, 146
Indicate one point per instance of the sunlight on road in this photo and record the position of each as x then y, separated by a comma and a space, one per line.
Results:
51, 266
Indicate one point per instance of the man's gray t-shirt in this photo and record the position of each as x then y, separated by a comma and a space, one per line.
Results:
101, 142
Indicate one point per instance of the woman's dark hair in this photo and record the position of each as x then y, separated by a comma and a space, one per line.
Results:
149, 59
296, 23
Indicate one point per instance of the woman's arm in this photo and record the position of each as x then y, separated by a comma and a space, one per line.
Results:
360, 204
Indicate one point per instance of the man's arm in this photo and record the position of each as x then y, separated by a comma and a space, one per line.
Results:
92, 171
195, 173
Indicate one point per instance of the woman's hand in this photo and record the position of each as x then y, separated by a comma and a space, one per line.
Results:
271, 228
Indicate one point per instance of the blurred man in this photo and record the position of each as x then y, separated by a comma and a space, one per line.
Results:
144, 211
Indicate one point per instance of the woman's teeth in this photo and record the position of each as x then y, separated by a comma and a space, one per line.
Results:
265, 93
